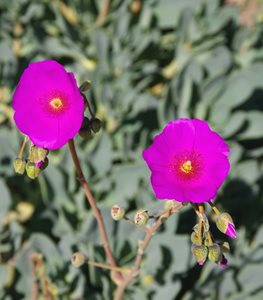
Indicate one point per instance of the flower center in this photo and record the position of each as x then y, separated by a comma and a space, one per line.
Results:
56, 103
187, 165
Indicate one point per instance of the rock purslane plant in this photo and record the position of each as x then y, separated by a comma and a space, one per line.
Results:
188, 161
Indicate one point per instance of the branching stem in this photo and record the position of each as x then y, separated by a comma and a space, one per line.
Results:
94, 207
135, 270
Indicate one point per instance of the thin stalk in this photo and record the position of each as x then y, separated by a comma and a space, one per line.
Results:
209, 237
214, 208
88, 106
107, 267
93, 205
20, 154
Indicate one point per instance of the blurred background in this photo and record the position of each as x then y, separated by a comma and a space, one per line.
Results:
150, 62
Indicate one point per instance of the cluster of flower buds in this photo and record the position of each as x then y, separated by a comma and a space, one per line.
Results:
203, 245
88, 126
36, 162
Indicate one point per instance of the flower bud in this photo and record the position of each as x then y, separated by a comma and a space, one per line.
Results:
141, 217
226, 225
42, 165
85, 130
215, 253
194, 238
19, 166
223, 263
96, 125
200, 253
78, 259
37, 154
225, 247
85, 86
173, 205
32, 170
117, 212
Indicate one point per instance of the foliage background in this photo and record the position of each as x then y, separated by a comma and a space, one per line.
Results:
148, 65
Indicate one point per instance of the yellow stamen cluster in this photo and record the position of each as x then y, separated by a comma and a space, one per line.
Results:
187, 166
56, 103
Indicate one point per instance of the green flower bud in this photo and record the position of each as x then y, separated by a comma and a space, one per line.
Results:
31, 170
85, 86
78, 259
37, 154
225, 247
44, 165
117, 212
200, 253
172, 205
19, 165
206, 242
85, 130
215, 253
96, 125
141, 217
194, 238
225, 224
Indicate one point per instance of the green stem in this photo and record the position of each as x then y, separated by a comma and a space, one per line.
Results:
108, 267
214, 208
20, 155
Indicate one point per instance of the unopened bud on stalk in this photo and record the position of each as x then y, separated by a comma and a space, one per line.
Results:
200, 253
223, 263
37, 154
85, 130
194, 237
85, 86
95, 125
19, 166
141, 217
78, 259
117, 212
32, 170
43, 164
215, 253
225, 247
226, 225
172, 205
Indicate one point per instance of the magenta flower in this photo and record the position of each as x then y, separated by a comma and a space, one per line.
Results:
188, 161
48, 105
